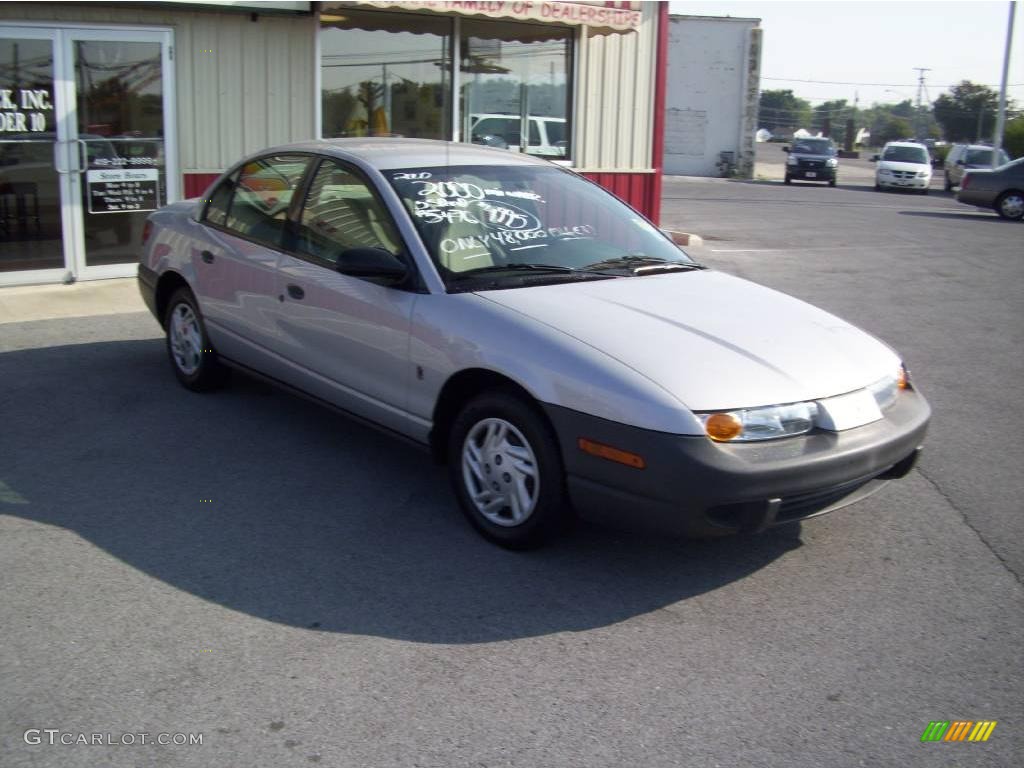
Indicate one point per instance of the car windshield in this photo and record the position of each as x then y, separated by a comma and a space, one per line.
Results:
906, 155
984, 157
509, 225
813, 147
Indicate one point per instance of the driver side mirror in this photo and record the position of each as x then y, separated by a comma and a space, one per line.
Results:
874, 158
786, 150
372, 262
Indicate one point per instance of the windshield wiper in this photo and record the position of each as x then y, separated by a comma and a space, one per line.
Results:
640, 264
524, 267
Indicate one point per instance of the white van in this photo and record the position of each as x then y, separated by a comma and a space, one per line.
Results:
903, 165
547, 134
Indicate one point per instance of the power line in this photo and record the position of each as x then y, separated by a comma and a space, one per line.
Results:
892, 85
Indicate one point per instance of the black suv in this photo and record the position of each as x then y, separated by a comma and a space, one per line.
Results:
812, 160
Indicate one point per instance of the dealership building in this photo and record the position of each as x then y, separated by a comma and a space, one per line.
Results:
111, 110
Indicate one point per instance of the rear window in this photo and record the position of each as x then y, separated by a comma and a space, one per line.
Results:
984, 157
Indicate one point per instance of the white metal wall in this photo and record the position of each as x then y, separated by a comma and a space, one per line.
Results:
242, 84
712, 67
615, 97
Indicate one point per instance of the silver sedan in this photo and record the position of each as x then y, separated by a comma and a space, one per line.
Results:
549, 344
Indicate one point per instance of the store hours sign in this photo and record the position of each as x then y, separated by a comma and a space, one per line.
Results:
123, 190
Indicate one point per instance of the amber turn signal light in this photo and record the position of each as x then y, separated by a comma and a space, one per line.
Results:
723, 426
902, 379
617, 455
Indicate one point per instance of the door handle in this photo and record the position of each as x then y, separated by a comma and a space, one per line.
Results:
295, 291
207, 257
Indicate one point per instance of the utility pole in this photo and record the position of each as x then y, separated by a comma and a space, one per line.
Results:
918, 129
997, 144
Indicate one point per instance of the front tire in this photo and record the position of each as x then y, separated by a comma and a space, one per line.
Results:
948, 184
788, 180
506, 469
1010, 205
193, 358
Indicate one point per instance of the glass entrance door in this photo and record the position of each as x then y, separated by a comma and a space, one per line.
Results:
31, 222
77, 194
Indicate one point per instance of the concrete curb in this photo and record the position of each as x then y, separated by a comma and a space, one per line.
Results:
685, 238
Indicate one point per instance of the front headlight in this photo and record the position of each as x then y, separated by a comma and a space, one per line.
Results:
791, 160
923, 174
884, 171
831, 162
765, 423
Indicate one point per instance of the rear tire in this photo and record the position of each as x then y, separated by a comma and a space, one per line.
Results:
506, 470
948, 185
1010, 205
788, 180
193, 358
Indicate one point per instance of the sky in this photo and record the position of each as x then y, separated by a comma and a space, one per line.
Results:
868, 43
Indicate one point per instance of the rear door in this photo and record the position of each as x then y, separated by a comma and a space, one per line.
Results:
236, 272
348, 335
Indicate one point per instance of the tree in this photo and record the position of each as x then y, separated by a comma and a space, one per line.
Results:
1013, 138
781, 110
893, 129
830, 118
967, 112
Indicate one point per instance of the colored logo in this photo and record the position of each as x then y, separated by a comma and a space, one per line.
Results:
959, 730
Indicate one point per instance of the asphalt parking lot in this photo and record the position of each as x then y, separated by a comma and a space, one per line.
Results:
301, 590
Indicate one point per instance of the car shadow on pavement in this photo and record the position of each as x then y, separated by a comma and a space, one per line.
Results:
266, 504
966, 214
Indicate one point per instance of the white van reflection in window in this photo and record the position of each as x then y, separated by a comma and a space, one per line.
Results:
546, 134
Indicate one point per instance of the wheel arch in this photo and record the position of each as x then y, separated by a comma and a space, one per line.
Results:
169, 282
998, 202
460, 388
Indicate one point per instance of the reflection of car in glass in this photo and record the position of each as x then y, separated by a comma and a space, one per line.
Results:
550, 344
547, 134
1001, 189
903, 165
812, 159
964, 157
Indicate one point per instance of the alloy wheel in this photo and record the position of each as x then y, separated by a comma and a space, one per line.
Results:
500, 472
186, 339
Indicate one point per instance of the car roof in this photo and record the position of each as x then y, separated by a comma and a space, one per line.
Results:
384, 153
905, 144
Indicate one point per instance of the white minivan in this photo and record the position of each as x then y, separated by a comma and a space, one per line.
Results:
546, 136
903, 165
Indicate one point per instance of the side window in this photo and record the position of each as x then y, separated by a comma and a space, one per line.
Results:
262, 194
220, 201
341, 212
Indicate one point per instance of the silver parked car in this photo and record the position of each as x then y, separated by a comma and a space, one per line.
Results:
1001, 189
966, 157
542, 338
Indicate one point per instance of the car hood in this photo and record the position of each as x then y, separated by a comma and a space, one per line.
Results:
891, 165
805, 156
712, 340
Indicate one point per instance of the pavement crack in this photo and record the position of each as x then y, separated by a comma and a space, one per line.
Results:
967, 522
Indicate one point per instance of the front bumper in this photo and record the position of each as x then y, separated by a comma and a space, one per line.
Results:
811, 174
900, 183
695, 486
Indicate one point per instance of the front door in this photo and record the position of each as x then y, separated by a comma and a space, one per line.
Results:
86, 142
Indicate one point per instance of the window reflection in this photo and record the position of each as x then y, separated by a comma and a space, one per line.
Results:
515, 86
385, 74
